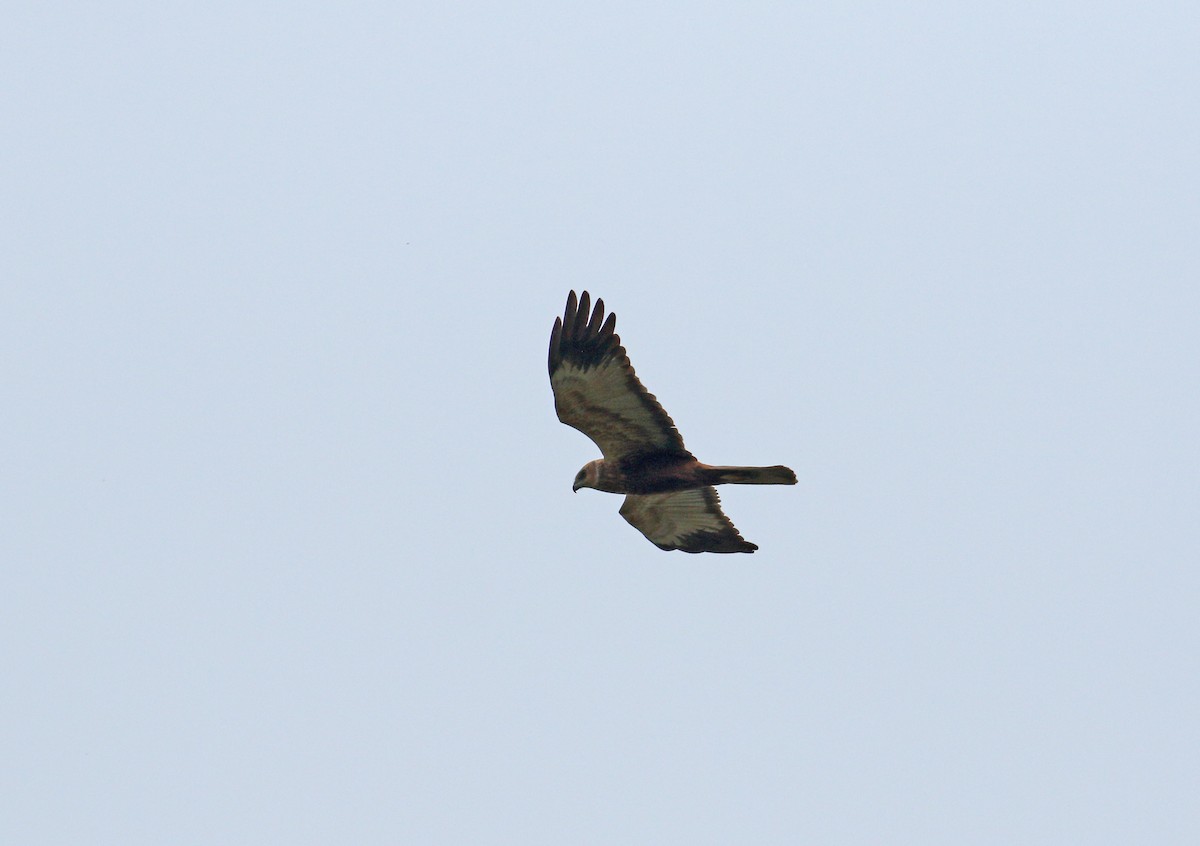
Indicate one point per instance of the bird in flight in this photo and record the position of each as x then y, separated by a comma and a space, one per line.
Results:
669, 495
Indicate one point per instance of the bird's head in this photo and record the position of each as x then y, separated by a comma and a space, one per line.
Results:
588, 476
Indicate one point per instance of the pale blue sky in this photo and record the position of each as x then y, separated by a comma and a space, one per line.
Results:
289, 547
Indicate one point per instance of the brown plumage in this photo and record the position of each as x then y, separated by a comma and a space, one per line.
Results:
670, 496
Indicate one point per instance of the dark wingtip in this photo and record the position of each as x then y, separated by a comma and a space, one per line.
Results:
570, 315
555, 339
609, 327
582, 335
581, 314
709, 541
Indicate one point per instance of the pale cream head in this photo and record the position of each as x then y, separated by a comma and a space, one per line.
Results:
588, 476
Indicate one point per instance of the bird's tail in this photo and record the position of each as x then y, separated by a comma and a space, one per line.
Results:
777, 475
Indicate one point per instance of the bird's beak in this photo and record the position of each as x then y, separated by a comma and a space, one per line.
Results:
575, 488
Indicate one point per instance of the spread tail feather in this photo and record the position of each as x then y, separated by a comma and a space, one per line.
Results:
776, 475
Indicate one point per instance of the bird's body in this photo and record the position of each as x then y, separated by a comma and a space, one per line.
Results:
669, 494
661, 472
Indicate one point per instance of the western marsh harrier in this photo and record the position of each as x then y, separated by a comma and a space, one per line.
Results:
669, 495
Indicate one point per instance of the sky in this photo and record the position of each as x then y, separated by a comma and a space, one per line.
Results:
289, 549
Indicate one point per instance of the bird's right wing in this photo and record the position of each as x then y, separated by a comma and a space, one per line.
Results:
596, 390
689, 520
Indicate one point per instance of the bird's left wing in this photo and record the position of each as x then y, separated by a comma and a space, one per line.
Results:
689, 520
596, 390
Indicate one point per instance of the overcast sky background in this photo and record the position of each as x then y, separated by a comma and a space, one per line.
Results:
289, 549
